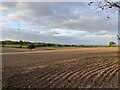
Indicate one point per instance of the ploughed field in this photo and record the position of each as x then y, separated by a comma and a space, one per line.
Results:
73, 68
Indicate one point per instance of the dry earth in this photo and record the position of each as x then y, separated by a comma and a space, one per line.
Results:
73, 68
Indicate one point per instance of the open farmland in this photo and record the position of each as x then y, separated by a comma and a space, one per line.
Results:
71, 68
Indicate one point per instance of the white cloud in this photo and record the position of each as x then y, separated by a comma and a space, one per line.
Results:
2, 9
102, 32
100, 36
73, 22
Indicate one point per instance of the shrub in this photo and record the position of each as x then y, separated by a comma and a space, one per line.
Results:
31, 46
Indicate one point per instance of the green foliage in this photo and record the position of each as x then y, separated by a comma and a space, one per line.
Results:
8, 42
26, 44
14, 46
5, 87
2, 45
31, 46
111, 43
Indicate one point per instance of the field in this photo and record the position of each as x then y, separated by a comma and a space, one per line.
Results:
61, 68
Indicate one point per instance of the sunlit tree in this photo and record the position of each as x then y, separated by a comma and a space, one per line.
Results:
112, 43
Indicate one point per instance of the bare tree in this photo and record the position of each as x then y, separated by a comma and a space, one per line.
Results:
106, 5
118, 37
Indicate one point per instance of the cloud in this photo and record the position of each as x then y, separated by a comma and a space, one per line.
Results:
52, 22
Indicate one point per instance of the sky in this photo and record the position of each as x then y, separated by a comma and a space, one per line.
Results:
58, 22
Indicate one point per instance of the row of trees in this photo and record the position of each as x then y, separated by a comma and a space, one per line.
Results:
39, 44
8, 42
31, 45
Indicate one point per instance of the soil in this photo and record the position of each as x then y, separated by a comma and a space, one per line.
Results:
73, 68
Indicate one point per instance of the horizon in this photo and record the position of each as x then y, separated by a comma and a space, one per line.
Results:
64, 23
60, 43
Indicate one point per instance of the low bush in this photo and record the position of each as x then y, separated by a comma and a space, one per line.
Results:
31, 46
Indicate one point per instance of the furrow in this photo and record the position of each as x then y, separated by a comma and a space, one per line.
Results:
87, 73
99, 78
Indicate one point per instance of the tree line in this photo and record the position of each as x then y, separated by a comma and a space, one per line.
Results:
40, 44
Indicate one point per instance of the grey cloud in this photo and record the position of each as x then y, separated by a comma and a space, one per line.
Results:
50, 37
88, 24
69, 18
61, 15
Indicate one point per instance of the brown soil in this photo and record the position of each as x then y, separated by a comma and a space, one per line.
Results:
75, 68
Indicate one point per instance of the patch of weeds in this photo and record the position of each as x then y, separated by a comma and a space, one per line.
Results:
5, 87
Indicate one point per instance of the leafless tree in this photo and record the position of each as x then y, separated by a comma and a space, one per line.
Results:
106, 5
